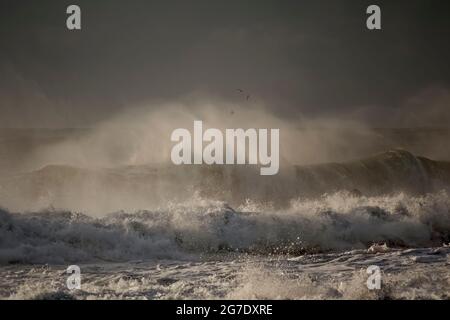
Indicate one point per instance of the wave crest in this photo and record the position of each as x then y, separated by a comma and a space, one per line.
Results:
336, 222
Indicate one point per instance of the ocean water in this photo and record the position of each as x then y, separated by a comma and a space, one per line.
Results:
406, 274
155, 233
205, 249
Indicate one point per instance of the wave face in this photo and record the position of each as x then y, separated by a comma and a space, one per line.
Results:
336, 222
100, 191
386, 173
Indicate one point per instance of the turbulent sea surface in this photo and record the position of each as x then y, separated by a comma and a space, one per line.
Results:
310, 233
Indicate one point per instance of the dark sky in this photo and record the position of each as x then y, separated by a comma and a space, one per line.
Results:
311, 57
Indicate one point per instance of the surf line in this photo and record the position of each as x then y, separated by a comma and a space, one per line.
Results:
235, 147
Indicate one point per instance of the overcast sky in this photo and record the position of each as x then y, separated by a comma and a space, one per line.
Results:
311, 57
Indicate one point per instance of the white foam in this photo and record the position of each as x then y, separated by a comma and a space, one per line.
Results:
336, 222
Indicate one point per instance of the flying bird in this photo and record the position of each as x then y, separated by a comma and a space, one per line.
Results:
247, 96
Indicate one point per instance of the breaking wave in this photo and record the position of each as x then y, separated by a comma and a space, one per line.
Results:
341, 221
97, 191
